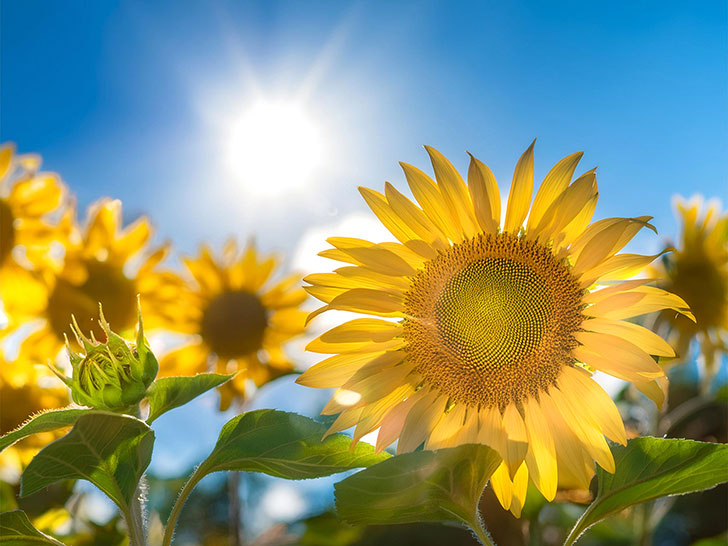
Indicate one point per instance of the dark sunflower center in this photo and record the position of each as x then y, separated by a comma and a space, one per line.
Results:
7, 231
699, 282
105, 283
234, 323
491, 320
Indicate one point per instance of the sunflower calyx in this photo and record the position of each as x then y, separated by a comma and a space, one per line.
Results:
112, 376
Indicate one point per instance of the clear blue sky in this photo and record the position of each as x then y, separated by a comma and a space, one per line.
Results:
127, 99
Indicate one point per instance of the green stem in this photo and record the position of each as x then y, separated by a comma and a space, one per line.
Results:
135, 521
480, 532
194, 479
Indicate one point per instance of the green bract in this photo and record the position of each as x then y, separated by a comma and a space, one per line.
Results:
112, 376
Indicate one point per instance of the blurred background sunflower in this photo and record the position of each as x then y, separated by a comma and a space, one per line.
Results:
240, 318
698, 271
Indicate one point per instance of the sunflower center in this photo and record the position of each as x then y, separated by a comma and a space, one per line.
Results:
7, 231
233, 324
105, 283
491, 320
699, 282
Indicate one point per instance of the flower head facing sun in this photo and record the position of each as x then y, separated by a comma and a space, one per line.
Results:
498, 330
97, 268
698, 272
238, 317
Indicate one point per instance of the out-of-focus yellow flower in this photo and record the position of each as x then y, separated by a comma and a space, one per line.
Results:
488, 332
27, 198
698, 272
99, 267
21, 395
239, 318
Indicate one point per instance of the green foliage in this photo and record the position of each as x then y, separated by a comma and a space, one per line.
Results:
285, 445
111, 451
650, 468
16, 530
443, 485
43, 422
168, 393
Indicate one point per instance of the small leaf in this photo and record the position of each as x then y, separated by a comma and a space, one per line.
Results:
171, 392
16, 530
109, 450
43, 422
442, 485
650, 468
285, 445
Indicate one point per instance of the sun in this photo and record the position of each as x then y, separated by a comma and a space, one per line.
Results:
274, 147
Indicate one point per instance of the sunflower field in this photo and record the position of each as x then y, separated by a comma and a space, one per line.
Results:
480, 361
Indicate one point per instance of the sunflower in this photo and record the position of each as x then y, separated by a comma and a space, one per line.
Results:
239, 319
21, 396
698, 272
27, 198
97, 267
498, 328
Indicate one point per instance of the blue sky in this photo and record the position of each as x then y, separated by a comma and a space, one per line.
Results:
119, 96
131, 99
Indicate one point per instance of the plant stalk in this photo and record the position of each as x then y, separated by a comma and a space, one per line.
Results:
135, 521
179, 503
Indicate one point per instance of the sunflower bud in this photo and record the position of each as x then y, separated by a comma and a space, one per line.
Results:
114, 375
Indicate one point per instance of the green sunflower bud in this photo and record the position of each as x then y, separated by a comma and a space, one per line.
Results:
112, 376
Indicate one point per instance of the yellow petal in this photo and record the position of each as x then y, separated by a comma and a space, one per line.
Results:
556, 181
372, 302
430, 199
335, 370
362, 329
519, 198
566, 207
394, 420
187, 360
380, 383
656, 390
502, 486
386, 215
373, 414
346, 419
420, 421
454, 192
645, 339
414, 217
541, 455
446, 431
485, 195
381, 260
592, 439
616, 367
600, 409
517, 438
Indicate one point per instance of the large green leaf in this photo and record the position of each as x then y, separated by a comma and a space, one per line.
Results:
443, 485
649, 468
285, 445
16, 530
43, 422
168, 393
109, 450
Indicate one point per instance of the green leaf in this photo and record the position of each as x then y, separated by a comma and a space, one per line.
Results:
43, 422
650, 468
109, 450
171, 392
443, 485
16, 530
285, 445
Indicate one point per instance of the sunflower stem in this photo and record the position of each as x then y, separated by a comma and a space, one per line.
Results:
193, 480
476, 525
135, 521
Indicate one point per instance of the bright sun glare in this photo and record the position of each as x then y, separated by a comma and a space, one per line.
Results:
274, 147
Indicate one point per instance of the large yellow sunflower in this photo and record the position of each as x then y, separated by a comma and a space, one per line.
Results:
498, 328
99, 266
27, 198
698, 272
239, 319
